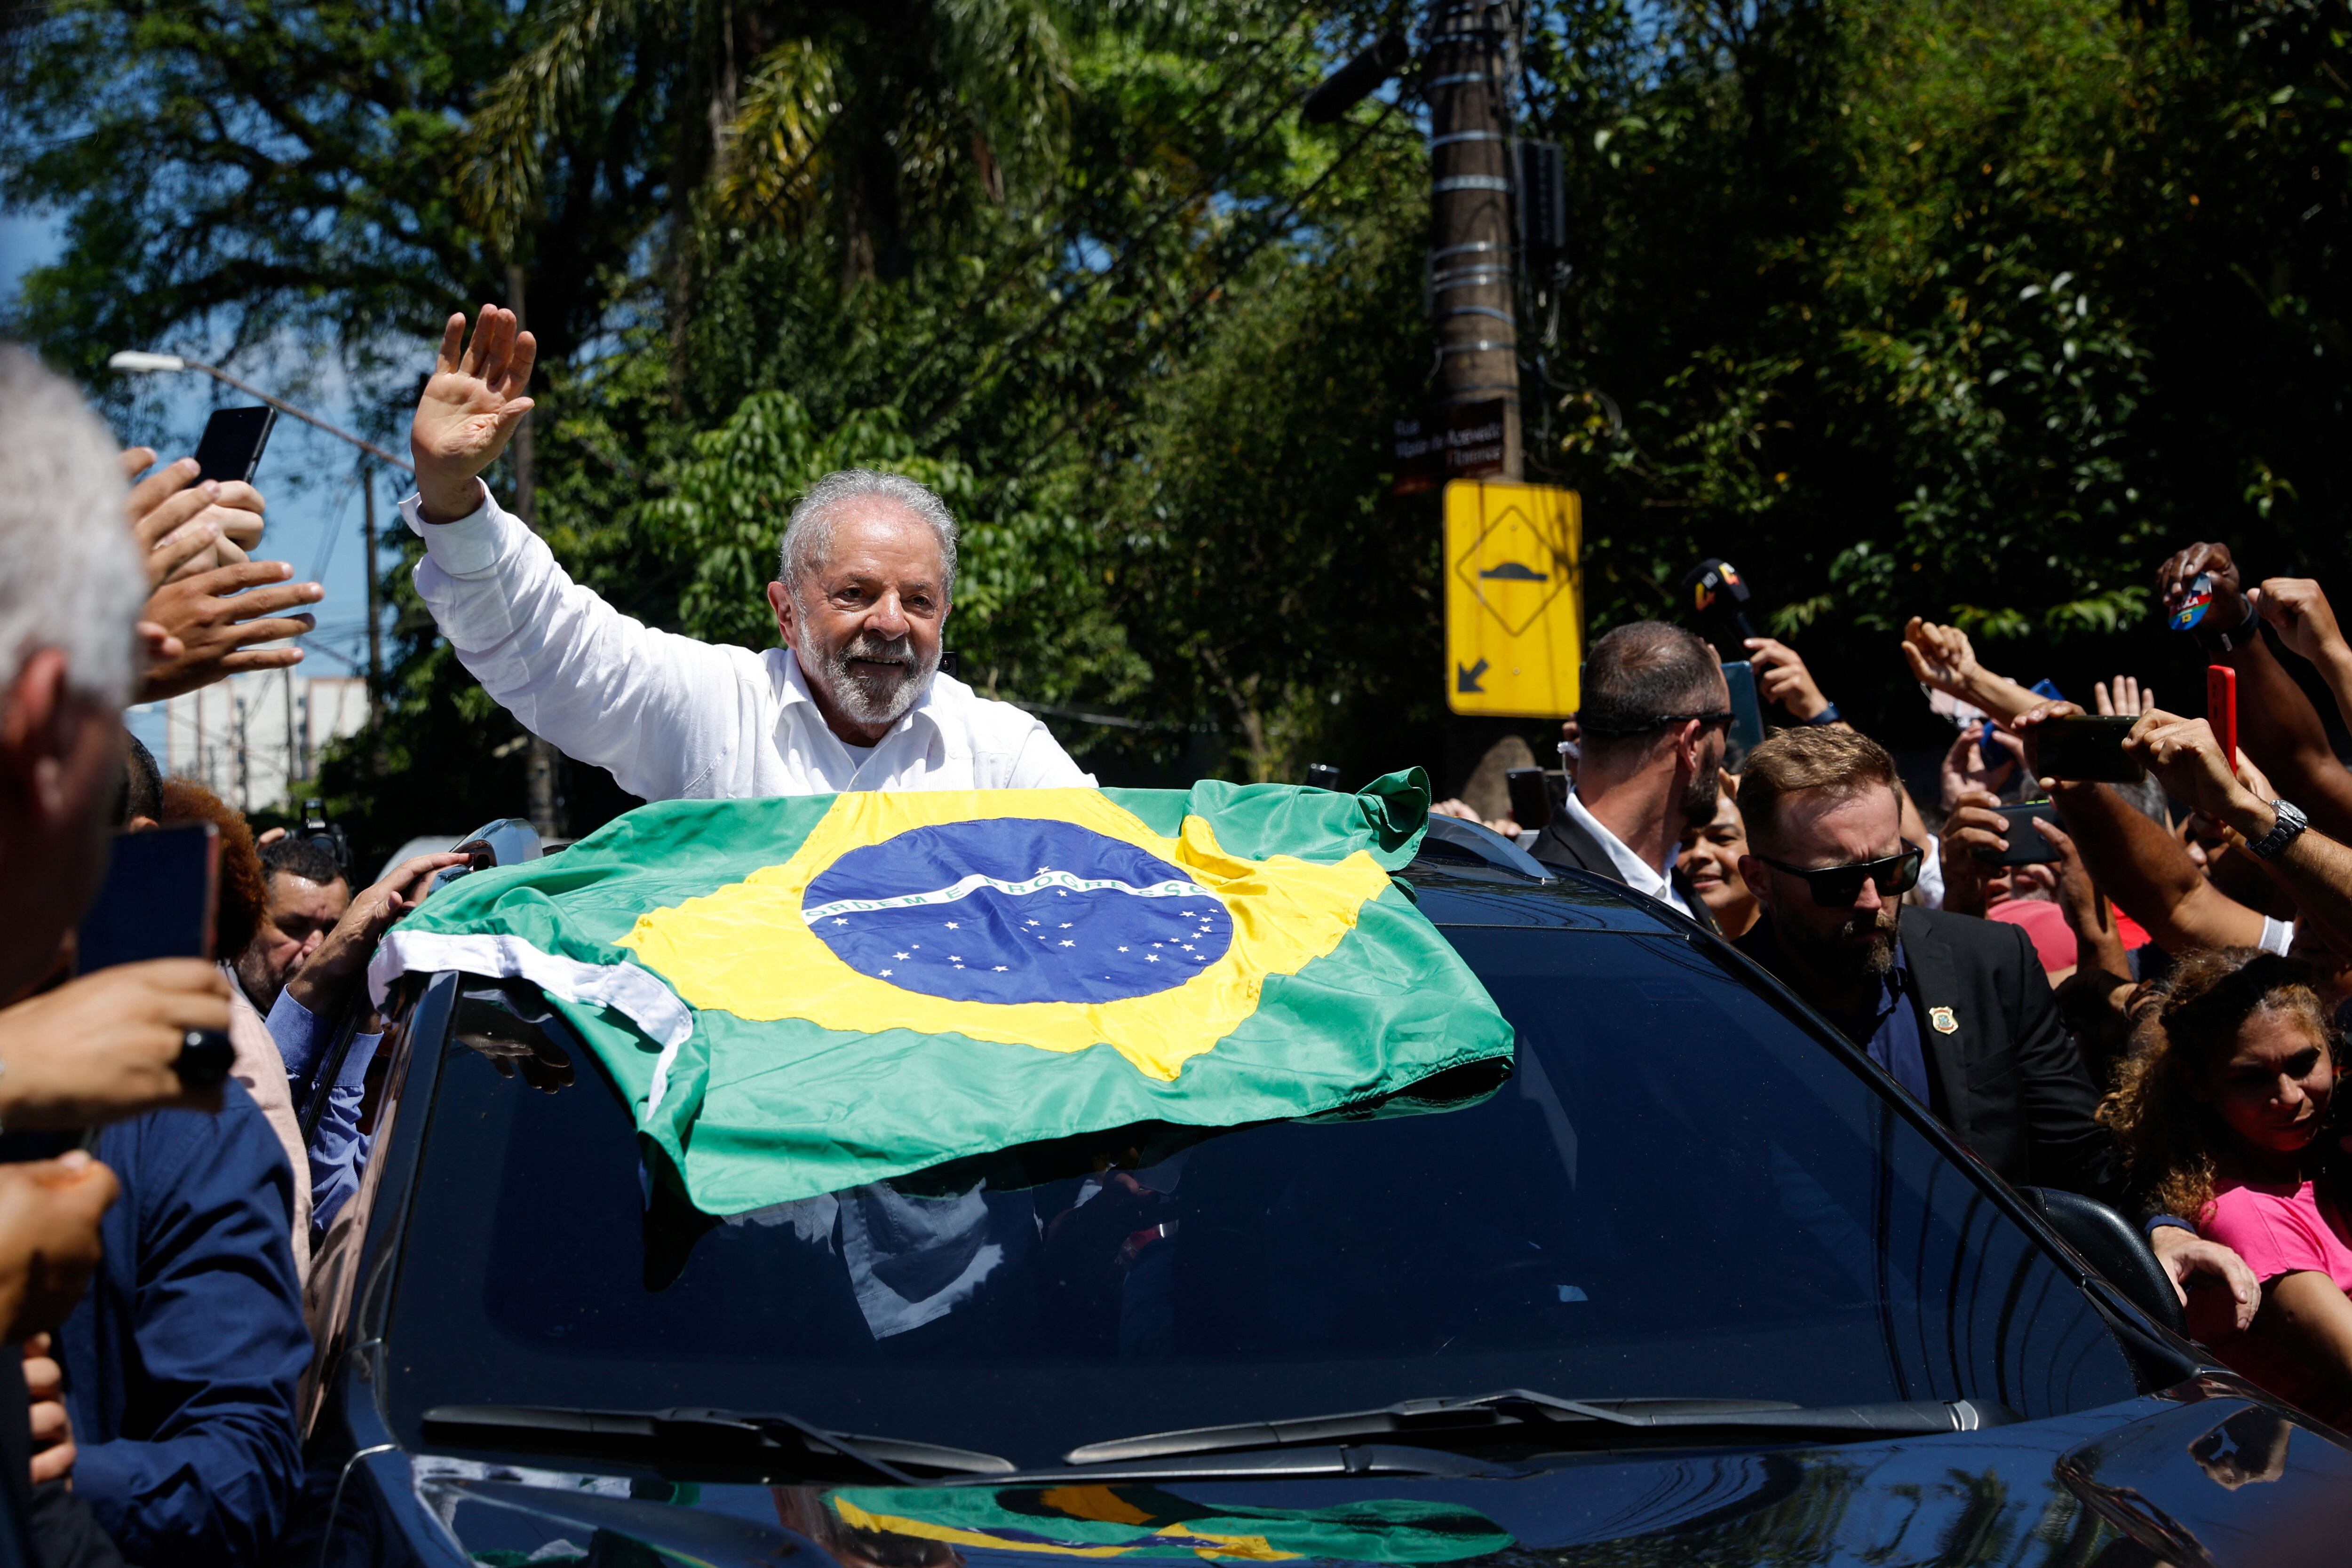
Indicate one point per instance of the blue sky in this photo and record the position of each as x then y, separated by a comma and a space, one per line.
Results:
306, 477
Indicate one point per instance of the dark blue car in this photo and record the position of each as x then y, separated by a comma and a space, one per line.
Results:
1695, 1285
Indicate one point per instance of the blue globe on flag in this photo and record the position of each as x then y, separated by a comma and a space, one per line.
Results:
1016, 910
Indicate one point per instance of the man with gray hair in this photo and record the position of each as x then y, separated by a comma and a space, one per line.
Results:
854, 700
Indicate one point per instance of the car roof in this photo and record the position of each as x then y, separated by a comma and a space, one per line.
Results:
1454, 893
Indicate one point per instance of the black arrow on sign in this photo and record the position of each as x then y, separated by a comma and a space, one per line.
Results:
1467, 679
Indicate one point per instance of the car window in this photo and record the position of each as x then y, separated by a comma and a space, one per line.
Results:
1677, 1192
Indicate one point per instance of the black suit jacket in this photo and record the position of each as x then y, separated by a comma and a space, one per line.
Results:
1565, 842
2005, 1076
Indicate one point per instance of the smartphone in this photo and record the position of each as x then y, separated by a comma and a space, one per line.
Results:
234, 437
2026, 847
159, 899
1530, 797
1322, 776
1746, 712
2086, 748
2221, 709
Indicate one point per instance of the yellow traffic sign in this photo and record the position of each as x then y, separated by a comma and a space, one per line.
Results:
1513, 599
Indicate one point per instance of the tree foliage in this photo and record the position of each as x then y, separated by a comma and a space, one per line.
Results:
1970, 310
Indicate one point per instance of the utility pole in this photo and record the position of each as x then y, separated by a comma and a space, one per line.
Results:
375, 614
1470, 200
539, 765
379, 762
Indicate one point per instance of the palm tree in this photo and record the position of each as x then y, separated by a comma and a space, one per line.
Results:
847, 117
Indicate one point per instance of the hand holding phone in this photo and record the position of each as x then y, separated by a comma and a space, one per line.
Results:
2085, 749
110, 1045
159, 901
2026, 844
233, 442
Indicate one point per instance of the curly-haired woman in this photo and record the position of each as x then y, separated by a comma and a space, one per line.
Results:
2220, 1113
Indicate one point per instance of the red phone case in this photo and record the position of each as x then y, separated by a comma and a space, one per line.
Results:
2221, 709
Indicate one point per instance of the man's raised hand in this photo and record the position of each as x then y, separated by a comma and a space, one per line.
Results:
471, 406
217, 621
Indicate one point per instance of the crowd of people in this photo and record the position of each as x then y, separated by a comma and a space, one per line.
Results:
156, 1223
2149, 1011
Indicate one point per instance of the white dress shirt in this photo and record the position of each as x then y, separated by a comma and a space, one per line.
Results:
1631, 869
676, 719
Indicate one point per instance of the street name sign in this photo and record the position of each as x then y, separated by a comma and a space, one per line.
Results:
1513, 599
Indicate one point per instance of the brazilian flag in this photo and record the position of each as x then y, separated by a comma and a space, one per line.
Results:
1152, 1523
808, 993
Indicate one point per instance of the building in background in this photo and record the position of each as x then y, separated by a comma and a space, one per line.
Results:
255, 740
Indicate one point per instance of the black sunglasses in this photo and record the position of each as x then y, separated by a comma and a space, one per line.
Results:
1837, 886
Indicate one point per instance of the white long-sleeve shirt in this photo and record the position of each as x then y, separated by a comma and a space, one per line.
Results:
675, 719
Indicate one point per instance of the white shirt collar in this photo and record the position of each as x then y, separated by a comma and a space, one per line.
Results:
1636, 872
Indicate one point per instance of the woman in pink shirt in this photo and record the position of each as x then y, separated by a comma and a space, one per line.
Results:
2220, 1113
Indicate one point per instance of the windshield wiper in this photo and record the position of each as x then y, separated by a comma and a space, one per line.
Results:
699, 1432
1521, 1417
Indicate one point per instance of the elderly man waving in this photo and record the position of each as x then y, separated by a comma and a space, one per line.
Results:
854, 700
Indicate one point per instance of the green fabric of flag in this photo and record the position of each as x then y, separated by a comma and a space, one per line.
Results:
1137, 1522
803, 994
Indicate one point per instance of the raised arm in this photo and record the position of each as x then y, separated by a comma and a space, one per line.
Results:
2144, 868
2277, 725
471, 406
2306, 621
658, 710
1942, 657
2313, 867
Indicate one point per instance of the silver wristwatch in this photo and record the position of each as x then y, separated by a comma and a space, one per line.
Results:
2284, 831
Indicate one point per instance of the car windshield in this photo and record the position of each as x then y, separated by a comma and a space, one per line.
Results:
1678, 1192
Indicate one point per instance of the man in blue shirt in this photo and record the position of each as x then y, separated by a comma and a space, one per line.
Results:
182, 1361
303, 1019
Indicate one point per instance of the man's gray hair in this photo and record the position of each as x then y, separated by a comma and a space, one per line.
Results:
72, 581
808, 537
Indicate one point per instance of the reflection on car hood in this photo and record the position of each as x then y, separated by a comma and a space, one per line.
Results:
2203, 1475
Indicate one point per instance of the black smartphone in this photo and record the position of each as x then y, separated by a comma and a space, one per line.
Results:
234, 437
158, 901
2085, 749
1530, 797
1322, 776
2026, 847
1746, 712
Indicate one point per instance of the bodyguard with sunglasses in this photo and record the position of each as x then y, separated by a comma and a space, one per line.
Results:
1653, 720
1958, 1010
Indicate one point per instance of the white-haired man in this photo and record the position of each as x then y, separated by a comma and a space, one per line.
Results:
854, 700
101, 1048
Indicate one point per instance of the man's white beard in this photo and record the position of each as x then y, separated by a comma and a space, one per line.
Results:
866, 700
